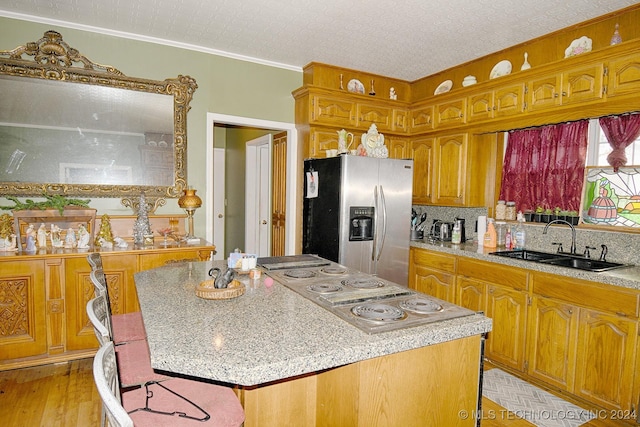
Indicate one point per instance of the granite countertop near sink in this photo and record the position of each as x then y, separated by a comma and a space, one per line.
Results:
267, 334
627, 277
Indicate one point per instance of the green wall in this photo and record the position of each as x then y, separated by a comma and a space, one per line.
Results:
225, 86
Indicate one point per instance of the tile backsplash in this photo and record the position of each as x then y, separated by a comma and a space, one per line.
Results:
622, 247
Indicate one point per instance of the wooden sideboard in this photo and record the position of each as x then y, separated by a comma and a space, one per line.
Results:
43, 298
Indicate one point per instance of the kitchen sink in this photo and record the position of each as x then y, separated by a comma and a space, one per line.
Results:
584, 264
527, 255
561, 260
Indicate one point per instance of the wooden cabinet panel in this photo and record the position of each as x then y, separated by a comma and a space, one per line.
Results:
552, 343
508, 310
624, 76
509, 100
332, 111
544, 92
422, 154
450, 169
423, 277
321, 140
451, 113
583, 84
379, 115
400, 121
399, 148
421, 119
606, 359
470, 293
79, 290
22, 309
480, 106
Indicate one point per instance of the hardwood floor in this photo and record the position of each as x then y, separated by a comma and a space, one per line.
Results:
64, 395
51, 395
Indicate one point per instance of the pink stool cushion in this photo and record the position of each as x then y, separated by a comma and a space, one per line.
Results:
128, 327
219, 402
134, 364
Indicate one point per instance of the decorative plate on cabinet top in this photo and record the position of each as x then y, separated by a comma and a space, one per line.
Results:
355, 86
502, 68
578, 46
444, 87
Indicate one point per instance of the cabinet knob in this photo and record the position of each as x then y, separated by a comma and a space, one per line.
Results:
555, 95
220, 215
564, 93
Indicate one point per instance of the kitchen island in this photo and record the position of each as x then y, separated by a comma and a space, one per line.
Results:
294, 363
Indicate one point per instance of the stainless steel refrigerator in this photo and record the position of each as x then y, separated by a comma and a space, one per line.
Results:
357, 212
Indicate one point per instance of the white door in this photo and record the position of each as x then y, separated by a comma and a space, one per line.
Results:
219, 203
258, 196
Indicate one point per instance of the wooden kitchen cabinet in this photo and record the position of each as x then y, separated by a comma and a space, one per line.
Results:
580, 85
449, 170
624, 76
552, 343
43, 315
422, 150
496, 103
399, 148
332, 110
591, 330
508, 309
501, 292
421, 118
23, 307
432, 273
450, 113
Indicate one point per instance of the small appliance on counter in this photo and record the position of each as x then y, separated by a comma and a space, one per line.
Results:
460, 223
441, 230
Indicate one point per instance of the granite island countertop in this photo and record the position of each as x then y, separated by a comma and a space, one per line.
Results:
628, 277
267, 334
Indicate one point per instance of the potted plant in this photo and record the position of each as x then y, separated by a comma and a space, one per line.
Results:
573, 217
538, 214
563, 214
556, 213
529, 215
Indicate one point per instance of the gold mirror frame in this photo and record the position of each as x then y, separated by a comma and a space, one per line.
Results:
53, 59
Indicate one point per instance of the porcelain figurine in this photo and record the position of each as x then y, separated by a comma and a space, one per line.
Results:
392, 94
42, 236
31, 239
120, 242
104, 243
83, 237
525, 64
70, 239
54, 236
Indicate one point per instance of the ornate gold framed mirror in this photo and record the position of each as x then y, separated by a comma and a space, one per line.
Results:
74, 127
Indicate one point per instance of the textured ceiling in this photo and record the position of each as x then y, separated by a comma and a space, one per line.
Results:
408, 39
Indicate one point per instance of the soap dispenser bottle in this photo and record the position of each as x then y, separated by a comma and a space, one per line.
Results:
491, 236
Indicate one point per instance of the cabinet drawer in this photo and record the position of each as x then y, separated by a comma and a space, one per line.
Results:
434, 260
588, 294
512, 277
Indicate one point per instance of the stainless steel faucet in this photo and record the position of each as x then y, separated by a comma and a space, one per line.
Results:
573, 232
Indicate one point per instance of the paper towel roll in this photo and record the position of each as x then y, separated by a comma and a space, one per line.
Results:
482, 229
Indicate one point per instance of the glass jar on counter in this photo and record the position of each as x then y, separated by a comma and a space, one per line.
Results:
510, 211
501, 210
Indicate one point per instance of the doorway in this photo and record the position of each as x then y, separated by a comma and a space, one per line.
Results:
220, 217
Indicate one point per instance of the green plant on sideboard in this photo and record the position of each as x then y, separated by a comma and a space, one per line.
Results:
55, 201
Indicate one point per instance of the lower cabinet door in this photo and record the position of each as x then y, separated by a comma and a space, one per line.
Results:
23, 329
553, 334
607, 359
508, 310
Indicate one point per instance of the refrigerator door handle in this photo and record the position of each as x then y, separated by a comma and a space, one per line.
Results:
383, 211
375, 228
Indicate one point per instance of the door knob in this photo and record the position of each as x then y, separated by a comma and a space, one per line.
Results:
264, 222
220, 215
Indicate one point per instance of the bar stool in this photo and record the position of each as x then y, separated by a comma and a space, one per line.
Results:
124, 327
174, 402
133, 357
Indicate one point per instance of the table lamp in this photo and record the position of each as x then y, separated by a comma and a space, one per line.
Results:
190, 202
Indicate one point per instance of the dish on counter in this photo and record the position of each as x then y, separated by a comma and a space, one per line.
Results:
355, 86
502, 68
578, 46
444, 87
